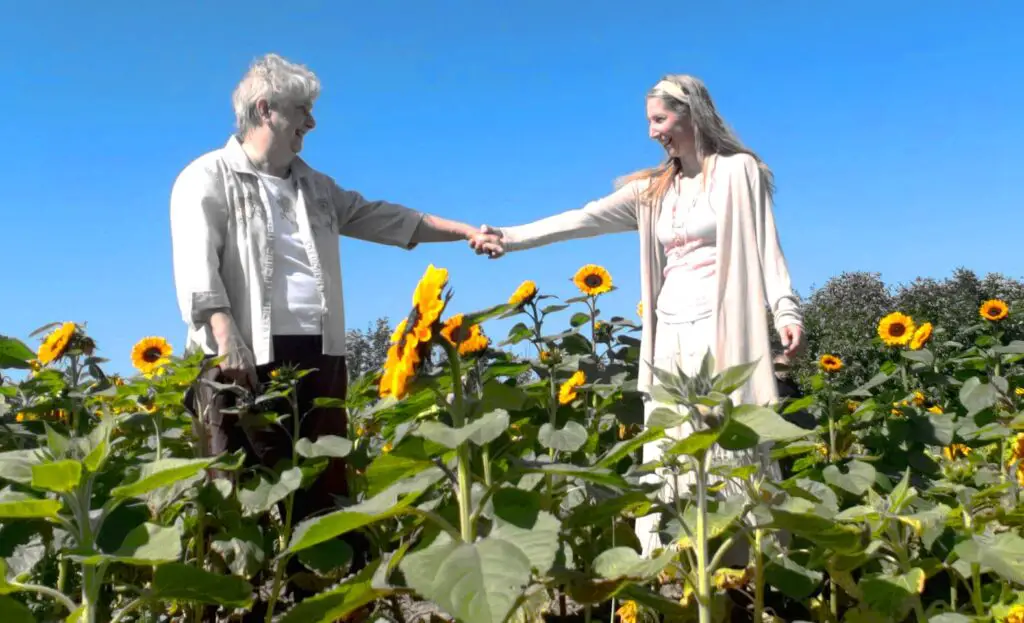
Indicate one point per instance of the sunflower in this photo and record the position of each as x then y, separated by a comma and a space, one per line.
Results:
411, 339
726, 579
830, 363
1019, 391
1017, 450
640, 309
56, 343
921, 336
953, 451
896, 329
994, 309
549, 357
918, 398
1016, 614
936, 409
567, 392
400, 367
469, 340
593, 280
523, 294
428, 301
150, 354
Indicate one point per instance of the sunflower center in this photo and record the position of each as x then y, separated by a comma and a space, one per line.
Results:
151, 354
593, 281
898, 330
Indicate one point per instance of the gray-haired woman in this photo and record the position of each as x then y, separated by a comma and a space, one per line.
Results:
710, 257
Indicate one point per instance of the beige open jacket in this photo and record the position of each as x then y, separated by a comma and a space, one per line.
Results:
750, 269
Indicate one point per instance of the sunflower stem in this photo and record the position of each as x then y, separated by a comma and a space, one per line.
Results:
464, 454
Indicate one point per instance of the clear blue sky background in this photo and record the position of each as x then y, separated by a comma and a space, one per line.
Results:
894, 129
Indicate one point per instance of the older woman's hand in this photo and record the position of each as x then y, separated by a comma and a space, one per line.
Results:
487, 242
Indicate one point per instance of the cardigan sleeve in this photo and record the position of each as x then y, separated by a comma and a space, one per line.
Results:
749, 191
613, 213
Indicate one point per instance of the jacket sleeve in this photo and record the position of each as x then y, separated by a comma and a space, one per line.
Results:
374, 221
613, 213
749, 190
198, 224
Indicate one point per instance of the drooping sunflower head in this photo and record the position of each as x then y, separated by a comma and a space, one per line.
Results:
525, 293
469, 340
593, 280
550, 357
896, 329
150, 354
994, 310
921, 336
954, 451
567, 392
830, 363
55, 345
731, 579
428, 297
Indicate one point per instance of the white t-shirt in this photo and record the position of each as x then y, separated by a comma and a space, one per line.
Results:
297, 307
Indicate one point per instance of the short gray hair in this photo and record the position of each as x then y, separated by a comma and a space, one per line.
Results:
276, 80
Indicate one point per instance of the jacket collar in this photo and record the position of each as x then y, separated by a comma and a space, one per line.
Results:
237, 159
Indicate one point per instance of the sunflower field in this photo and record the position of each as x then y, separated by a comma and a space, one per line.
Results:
495, 487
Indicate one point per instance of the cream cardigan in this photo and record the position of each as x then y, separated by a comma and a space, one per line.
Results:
750, 269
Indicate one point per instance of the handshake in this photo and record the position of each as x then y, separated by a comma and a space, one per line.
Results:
487, 241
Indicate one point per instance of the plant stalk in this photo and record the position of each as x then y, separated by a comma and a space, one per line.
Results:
289, 505
976, 596
464, 453
49, 592
758, 576
703, 581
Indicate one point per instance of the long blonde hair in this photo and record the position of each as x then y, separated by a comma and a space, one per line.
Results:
687, 96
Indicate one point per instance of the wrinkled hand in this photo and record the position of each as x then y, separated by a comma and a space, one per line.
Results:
238, 364
792, 339
487, 242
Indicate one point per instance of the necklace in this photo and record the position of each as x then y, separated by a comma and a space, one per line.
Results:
679, 229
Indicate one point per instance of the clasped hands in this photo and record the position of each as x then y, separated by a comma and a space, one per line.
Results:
487, 241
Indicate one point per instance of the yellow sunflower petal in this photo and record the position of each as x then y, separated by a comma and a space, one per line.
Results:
896, 329
56, 343
921, 336
830, 363
994, 309
593, 280
523, 294
151, 353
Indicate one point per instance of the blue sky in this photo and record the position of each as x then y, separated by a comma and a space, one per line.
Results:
893, 129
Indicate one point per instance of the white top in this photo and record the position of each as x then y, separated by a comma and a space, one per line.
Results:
686, 228
222, 245
296, 306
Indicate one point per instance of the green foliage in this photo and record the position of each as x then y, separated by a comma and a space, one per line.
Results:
498, 492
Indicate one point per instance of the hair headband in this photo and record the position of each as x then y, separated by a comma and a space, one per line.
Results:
674, 90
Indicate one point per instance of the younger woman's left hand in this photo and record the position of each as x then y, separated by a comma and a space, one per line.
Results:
792, 339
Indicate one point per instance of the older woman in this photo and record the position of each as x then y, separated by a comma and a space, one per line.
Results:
257, 269
710, 257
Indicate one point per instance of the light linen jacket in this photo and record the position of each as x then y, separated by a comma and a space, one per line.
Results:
750, 269
222, 240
